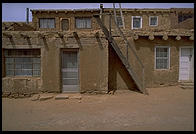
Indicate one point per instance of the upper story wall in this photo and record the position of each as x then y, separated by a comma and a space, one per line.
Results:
182, 18
58, 15
166, 18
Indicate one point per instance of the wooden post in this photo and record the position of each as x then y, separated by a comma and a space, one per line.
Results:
110, 27
114, 12
77, 39
122, 18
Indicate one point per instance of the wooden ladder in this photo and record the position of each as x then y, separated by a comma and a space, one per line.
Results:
112, 42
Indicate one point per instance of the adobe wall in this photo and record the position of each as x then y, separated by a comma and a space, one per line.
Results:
70, 15
145, 50
93, 60
163, 20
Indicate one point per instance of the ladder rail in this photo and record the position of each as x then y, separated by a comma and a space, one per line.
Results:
119, 53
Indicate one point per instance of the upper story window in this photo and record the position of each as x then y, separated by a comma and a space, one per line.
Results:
136, 22
162, 57
119, 21
46, 23
64, 24
22, 62
153, 21
83, 22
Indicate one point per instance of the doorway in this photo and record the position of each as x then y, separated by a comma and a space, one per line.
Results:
186, 68
69, 70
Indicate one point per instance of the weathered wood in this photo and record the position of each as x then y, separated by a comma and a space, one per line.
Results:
77, 39
122, 18
120, 55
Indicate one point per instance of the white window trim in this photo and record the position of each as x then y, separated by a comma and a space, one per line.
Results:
132, 22
155, 57
150, 20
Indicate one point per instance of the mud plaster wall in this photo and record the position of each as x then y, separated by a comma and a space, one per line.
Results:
119, 77
93, 61
163, 20
70, 16
145, 49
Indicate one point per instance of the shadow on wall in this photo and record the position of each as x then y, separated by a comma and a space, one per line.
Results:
117, 67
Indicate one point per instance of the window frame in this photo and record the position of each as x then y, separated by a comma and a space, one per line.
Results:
47, 27
168, 47
150, 20
85, 17
22, 63
140, 21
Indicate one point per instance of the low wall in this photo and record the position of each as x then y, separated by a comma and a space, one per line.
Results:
20, 86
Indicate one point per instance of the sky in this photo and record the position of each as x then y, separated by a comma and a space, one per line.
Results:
17, 11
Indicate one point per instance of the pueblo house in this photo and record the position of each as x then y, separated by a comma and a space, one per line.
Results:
98, 50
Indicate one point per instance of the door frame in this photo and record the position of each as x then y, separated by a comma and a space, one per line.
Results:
78, 62
179, 59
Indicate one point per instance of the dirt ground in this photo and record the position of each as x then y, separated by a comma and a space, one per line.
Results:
165, 108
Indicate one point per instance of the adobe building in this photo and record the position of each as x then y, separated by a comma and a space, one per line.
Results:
84, 50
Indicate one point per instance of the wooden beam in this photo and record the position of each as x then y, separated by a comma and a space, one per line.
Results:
77, 39
165, 37
151, 37
178, 37
98, 40
135, 37
191, 37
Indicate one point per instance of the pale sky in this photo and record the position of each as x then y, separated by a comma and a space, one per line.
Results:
17, 11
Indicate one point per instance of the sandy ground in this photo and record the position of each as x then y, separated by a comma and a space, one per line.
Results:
166, 108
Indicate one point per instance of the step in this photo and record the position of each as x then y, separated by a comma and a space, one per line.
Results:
187, 87
187, 84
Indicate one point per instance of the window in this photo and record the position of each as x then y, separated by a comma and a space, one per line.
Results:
153, 21
119, 21
47, 23
136, 22
83, 22
162, 57
65, 24
22, 62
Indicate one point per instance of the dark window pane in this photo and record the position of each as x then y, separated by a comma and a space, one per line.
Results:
47, 23
83, 22
136, 22
65, 24
153, 21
